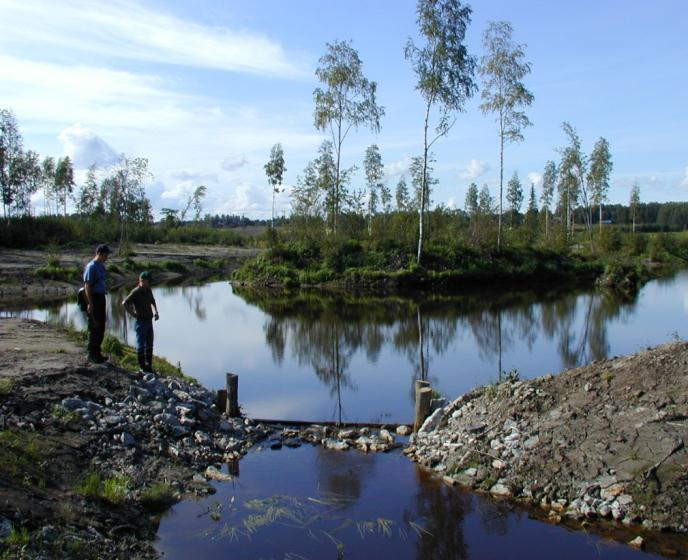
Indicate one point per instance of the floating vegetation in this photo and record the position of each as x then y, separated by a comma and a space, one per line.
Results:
318, 516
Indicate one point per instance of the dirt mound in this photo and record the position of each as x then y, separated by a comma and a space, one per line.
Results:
604, 441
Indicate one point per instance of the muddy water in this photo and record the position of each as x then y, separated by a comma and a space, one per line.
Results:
313, 503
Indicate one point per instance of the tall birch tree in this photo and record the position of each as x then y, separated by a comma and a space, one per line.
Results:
445, 71
503, 68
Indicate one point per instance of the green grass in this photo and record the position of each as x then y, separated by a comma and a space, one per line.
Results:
23, 458
6, 385
112, 489
66, 273
157, 497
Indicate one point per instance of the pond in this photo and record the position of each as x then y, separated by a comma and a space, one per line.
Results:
311, 356
316, 357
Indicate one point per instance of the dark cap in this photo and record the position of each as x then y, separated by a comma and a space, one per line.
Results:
103, 249
145, 275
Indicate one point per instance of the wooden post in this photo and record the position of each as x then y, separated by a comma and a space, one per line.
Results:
423, 397
221, 400
232, 395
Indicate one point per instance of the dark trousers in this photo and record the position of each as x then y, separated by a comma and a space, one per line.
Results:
144, 342
96, 324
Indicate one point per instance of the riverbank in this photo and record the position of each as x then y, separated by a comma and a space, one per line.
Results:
26, 275
601, 443
91, 455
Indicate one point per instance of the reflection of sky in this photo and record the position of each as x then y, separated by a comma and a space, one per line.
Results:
211, 331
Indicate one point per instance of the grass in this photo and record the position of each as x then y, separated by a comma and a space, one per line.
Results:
66, 273
112, 489
23, 458
157, 497
6, 385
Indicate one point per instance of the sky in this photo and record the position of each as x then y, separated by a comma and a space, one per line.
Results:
205, 88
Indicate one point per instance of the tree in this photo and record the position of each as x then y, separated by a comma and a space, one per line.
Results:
600, 170
374, 173
274, 169
532, 212
485, 201
514, 197
11, 144
571, 176
64, 182
88, 195
471, 204
422, 180
348, 101
48, 182
549, 180
445, 77
402, 195
635, 201
504, 94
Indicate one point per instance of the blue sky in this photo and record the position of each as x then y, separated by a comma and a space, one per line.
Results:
203, 89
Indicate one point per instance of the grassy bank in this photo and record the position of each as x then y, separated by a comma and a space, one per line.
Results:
360, 264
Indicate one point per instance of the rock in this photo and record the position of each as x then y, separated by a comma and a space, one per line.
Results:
348, 433
127, 439
386, 436
637, 542
403, 430
180, 431
198, 478
449, 480
612, 491
166, 418
431, 422
73, 404
471, 471
500, 489
5, 528
334, 444
624, 500
202, 438
531, 442
292, 442
275, 445
213, 473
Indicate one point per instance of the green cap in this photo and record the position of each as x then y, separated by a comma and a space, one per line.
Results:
145, 275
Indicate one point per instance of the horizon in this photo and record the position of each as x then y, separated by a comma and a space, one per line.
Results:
204, 91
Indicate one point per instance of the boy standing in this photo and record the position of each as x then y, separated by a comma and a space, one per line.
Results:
140, 303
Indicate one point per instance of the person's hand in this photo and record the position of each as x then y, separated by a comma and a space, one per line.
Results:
157, 316
89, 309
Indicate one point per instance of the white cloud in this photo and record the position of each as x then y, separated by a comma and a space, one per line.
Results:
85, 148
234, 162
535, 178
475, 169
195, 177
397, 168
684, 182
128, 30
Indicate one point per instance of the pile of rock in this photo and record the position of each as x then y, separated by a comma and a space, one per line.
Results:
593, 443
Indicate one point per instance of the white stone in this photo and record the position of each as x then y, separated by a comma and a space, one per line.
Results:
500, 490
403, 430
214, 473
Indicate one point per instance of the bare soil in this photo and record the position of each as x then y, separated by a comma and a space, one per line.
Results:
19, 284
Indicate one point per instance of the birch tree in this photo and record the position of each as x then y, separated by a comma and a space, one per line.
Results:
635, 200
347, 102
503, 68
444, 71
598, 177
549, 181
274, 169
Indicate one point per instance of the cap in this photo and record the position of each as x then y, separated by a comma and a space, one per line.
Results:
103, 249
145, 275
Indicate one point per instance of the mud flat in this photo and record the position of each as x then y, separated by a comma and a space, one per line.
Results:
603, 443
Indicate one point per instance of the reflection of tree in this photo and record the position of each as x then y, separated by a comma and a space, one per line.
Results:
440, 511
342, 475
193, 295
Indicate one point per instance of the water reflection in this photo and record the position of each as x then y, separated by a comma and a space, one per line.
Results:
328, 504
325, 331
313, 356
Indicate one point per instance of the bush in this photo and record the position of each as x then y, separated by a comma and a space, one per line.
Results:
112, 345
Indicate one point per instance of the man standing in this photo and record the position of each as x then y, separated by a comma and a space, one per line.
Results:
95, 288
140, 303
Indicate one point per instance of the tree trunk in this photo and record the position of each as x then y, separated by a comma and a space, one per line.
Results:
423, 187
501, 180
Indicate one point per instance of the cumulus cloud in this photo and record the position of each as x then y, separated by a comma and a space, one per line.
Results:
234, 162
397, 168
128, 30
475, 169
535, 178
85, 148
